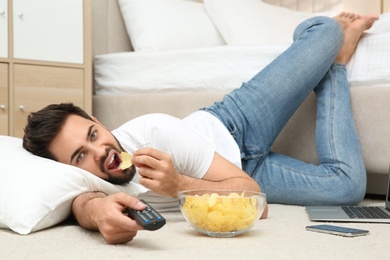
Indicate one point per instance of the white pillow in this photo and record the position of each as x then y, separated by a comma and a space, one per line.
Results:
36, 193
250, 22
159, 25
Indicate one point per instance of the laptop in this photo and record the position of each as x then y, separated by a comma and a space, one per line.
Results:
368, 214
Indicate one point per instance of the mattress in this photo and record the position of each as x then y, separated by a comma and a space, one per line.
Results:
226, 67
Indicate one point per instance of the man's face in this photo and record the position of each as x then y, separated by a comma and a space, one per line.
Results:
88, 145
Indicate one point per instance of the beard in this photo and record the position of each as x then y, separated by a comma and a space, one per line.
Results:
126, 177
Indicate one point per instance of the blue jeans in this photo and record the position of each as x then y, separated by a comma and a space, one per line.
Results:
256, 112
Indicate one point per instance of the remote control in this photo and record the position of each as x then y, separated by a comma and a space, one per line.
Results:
148, 218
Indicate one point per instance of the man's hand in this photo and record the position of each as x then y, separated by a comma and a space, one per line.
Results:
97, 211
157, 171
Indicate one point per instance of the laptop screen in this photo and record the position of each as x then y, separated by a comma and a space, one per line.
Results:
388, 192
388, 189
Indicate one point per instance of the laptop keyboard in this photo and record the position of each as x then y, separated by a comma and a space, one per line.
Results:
365, 212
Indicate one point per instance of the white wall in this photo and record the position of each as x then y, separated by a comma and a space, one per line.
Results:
363, 6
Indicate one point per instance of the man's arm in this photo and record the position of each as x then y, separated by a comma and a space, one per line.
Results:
222, 174
215, 178
99, 212
159, 174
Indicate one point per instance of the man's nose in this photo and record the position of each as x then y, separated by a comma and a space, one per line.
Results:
97, 151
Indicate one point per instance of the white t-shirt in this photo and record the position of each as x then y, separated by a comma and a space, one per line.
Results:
191, 142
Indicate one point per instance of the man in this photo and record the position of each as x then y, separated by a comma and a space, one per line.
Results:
227, 145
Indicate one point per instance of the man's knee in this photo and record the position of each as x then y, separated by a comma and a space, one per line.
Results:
351, 194
325, 26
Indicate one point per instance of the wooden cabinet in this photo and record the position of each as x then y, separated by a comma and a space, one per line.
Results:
3, 99
48, 61
36, 85
3, 28
48, 30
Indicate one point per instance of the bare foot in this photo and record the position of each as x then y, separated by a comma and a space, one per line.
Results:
345, 19
354, 27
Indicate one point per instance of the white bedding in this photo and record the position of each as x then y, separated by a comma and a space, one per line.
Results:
370, 65
226, 67
216, 68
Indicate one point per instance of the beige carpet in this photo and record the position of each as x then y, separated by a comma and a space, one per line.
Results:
281, 236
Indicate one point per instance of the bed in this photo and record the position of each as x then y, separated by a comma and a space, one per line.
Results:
165, 69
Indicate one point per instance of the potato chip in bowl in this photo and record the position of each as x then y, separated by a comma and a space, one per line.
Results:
221, 213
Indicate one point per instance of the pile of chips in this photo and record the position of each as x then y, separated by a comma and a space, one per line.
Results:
217, 213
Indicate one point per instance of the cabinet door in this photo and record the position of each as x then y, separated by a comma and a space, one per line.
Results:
3, 29
48, 30
38, 86
3, 99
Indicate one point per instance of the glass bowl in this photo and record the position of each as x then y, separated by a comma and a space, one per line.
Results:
218, 213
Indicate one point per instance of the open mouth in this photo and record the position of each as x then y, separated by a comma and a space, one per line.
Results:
114, 161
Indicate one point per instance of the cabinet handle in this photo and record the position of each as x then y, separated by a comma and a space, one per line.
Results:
2, 107
2, 12
21, 108
20, 15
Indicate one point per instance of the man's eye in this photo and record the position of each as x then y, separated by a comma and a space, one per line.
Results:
80, 157
93, 135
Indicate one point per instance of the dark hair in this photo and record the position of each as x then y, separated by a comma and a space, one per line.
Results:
44, 125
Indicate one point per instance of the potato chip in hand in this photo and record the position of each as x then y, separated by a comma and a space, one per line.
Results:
126, 160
